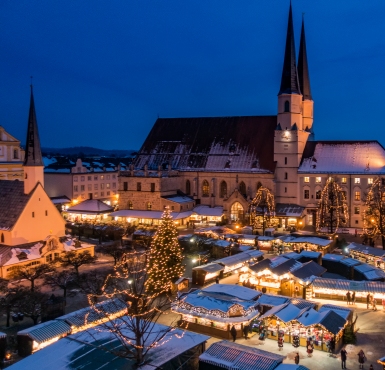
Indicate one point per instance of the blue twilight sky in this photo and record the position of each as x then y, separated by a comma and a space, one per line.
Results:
105, 70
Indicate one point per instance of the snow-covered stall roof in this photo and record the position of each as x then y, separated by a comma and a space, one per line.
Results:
208, 211
210, 267
46, 331
93, 349
365, 249
228, 355
237, 291
154, 215
344, 312
355, 157
90, 206
272, 300
239, 258
180, 199
305, 239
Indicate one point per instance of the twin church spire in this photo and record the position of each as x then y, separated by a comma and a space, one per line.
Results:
295, 80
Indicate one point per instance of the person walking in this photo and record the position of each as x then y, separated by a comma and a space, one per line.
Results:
368, 301
343, 358
361, 358
246, 331
374, 304
296, 358
383, 304
354, 298
348, 296
233, 332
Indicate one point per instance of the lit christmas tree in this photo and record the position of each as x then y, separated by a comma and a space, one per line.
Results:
165, 260
262, 207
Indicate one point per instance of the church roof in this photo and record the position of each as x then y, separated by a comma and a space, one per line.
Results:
33, 155
243, 143
303, 68
289, 80
12, 202
345, 157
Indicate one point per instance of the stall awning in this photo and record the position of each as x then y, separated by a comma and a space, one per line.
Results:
46, 331
288, 210
210, 267
239, 258
153, 215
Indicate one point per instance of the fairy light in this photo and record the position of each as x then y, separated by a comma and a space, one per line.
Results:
262, 206
332, 208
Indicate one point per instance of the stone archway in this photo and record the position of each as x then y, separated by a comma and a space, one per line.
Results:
237, 212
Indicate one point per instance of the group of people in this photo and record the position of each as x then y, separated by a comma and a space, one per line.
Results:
351, 297
246, 330
361, 359
371, 301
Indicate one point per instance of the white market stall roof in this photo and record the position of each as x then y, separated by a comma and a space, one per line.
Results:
153, 215
208, 211
349, 285
365, 249
90, 206
210, 267
239, 258
342, 311
60, 200
237, 291
180, 199
46, 331
305, 239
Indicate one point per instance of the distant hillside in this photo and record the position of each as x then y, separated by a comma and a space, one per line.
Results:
82, 151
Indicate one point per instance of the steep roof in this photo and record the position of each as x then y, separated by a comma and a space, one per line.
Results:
210, 143
91, 206
303, 68
345, 157
33, 155
289, 80
12, 202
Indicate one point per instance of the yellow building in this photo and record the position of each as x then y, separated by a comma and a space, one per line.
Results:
11, 157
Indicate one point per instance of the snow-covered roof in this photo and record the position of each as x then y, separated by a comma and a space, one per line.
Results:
90, 206
208, 211
46, 331
342, 311
365, 249
239, 258
154, 215
210, 267
357, 157
237, 291
180, 199
305, 239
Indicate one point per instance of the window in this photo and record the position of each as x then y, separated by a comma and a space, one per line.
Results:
82, 187
89, 187
357, 195
306, 194
75, 179
356, 210
152, 186
172, 208
356, 222
95, 178
370, 180
114, 176
318, 180
102, 193
287, 106
33, 214
285, 175
48, 258
130, 205
285, 189
46, 213
242, 189
76, 188
205, 189
79, 169
108, 193
138, 186
318, 194
107, 177
357, 180
96, 195
383, 181
343, 180
101, 186
306, 179
188, 187
108, 185
149, 206
2, 237
82, 178
15, 154
101, 177
223, 189
125, 186
114, 185
56, 255
96, 186
89, 178
285, 160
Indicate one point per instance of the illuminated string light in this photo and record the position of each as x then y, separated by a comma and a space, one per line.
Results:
262, 207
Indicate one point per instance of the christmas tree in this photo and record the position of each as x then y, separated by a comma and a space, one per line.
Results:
165, 259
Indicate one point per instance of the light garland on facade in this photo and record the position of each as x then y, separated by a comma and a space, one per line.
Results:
332, 208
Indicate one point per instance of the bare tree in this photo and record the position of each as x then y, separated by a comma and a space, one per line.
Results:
135, 331
9, 300
262, 207
75, 260
114, 250
374, 216
29, 303
332, 210
61, 279
30, 273
94, 283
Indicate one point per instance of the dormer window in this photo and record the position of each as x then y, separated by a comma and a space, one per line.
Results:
15, 154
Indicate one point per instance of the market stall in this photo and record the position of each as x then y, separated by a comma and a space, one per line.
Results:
290, 242
364, 253
265, 242
240, 260
205, 273
215, 313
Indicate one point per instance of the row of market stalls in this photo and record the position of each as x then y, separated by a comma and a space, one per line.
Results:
216, 309
364, 253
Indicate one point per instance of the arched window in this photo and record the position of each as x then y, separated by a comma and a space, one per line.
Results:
188, 187
318, 194
15, 154
205, 189
242, 189
2, 237
237, 212
223, 190
149, 206
129, 205
287, 106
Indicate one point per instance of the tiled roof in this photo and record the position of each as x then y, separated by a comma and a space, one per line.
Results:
230, 355
46, 331
211, 143
12, 202
332, 322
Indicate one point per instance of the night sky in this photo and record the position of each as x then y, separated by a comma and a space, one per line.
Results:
103, 71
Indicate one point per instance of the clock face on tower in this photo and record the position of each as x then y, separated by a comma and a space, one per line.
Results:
285, 135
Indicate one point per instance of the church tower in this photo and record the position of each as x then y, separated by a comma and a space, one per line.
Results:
33, 161
291, 134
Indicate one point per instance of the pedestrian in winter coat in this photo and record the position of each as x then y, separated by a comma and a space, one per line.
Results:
233, 332
348, 296
343, 358
296, 358
353, 297
374, 303
367, 300
246, 331
361, 358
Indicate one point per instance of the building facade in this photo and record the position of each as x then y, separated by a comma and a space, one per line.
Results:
220, 161
11, 157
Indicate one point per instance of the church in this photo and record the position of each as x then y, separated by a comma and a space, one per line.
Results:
216, 163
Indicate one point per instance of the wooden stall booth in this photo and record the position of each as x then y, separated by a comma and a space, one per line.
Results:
366, 254
206, 273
